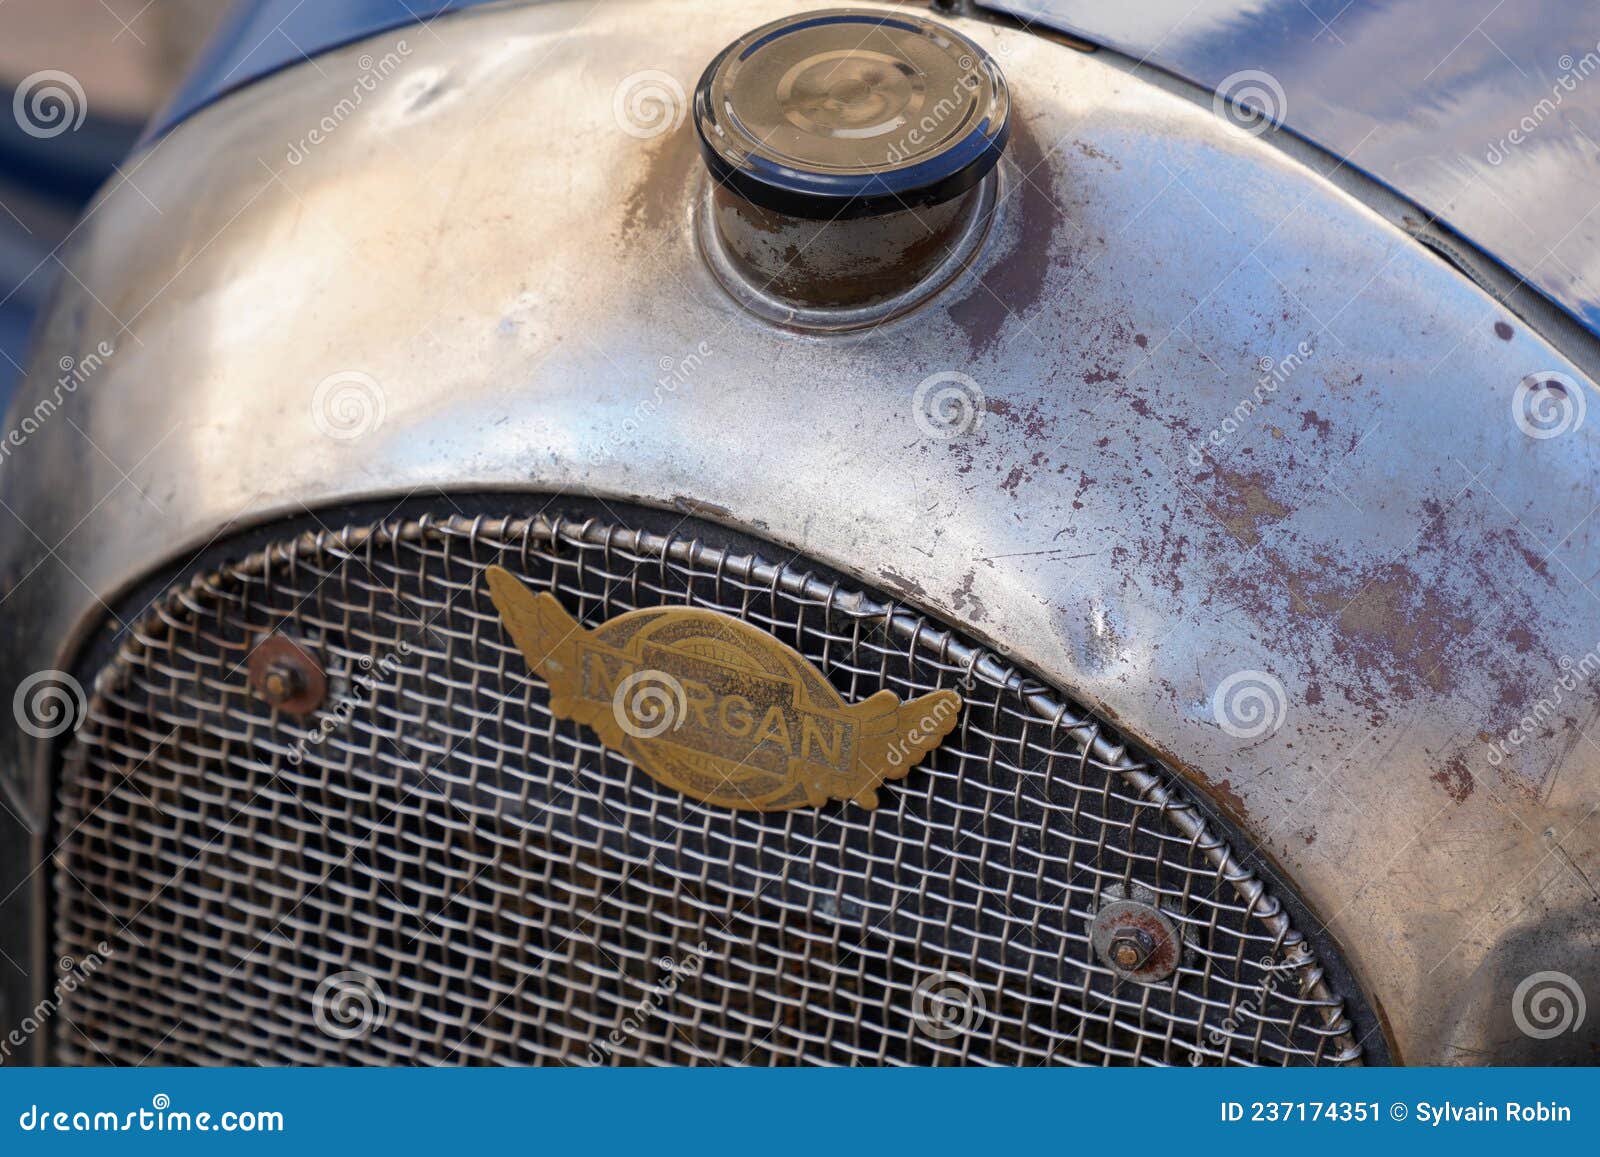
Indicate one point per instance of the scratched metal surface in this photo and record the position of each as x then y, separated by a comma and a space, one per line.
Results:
515, 277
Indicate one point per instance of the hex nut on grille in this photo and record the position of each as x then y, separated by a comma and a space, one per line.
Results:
1134, 938
1131, 948
287, 675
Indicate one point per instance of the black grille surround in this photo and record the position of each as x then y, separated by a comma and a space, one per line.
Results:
448, 874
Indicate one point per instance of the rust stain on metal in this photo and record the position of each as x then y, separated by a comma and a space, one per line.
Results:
1242, 503
1310, 419
1136, 940
1036, 420
1015, 283
1098, 154
1395, 615
842, 262
1536, 563
1223, 790
695, 506
1456, 779
656, 202
965, 601
1407, 626
901, 585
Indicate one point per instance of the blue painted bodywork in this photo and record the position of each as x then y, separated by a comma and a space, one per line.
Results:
1485, 115
262, 36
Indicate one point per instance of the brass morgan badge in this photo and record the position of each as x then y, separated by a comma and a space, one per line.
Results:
717, 709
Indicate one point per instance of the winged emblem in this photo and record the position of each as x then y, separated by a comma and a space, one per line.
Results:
717, 709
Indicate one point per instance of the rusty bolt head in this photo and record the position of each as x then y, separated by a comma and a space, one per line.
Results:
281, 681
287, 675
1130, 948
1133, 937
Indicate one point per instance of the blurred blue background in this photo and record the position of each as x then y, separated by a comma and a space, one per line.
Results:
128, 56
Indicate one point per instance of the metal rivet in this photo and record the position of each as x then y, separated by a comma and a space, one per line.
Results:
287, 675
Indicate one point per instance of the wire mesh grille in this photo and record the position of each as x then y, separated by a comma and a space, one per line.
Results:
433, 869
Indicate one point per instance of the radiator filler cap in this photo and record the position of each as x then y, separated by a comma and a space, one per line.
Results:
849, 113
851, 157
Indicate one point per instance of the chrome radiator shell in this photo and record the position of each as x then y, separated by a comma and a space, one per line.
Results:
520, 308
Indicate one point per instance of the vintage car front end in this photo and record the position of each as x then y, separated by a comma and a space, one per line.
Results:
1249, 534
